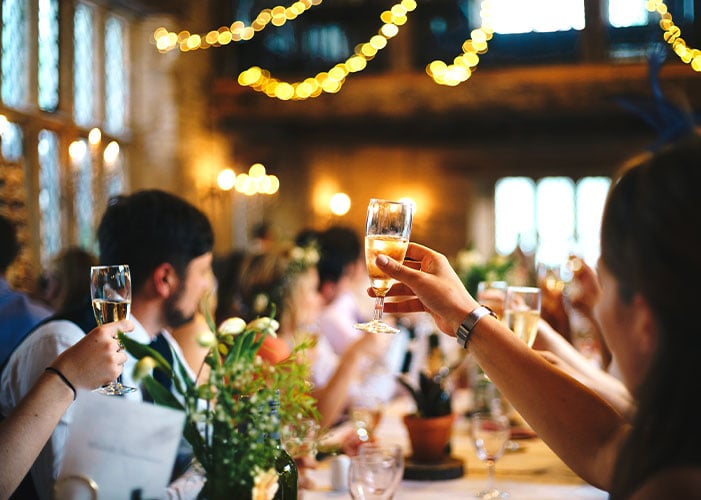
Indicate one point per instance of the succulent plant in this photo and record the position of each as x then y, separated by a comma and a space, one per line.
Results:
431, 398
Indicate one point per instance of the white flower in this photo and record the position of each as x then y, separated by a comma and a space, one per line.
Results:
311, 256
144, 367
232, 326
265, 485
206, 339
297, 253
265, 325
260, 303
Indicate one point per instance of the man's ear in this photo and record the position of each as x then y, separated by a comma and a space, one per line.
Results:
165, 280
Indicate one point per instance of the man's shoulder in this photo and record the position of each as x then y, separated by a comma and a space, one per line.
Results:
40, 347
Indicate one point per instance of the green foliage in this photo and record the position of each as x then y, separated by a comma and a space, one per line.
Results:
229, 423
473, 268
431, 398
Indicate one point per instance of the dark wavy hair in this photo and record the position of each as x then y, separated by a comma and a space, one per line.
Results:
651, 243
150, 227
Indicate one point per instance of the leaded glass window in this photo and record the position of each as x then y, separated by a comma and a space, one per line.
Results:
12, 142
48, 55
115, 75
550, 218
84, 199
49, 195
83, 65
15, 77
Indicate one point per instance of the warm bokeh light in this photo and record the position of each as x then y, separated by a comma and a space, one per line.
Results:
77, 150
256, 170
340, 204
226, 179
111, 153
95, 136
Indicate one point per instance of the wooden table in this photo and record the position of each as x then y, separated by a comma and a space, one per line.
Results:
532, 472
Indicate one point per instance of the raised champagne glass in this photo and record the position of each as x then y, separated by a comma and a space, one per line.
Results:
522, 311
387, 230
110, 289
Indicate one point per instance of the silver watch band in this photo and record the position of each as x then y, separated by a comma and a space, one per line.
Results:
466, 327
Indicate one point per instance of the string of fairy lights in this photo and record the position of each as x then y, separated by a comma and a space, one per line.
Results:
673, 35
332, 80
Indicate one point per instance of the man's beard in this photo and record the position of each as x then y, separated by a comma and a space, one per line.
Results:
173, 314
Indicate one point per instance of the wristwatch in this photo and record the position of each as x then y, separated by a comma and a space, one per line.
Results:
466, 327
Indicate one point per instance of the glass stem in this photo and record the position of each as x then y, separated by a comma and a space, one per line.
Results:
491, 469
379, 307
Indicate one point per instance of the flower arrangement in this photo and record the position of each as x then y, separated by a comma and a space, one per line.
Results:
232, 431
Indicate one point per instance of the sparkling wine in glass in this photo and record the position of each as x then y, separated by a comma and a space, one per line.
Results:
490, 432
522, 311
110, 288
387, 230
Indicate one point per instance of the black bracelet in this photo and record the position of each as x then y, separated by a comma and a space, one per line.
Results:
51, 369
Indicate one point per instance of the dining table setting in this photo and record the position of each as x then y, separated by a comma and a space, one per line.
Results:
527, 470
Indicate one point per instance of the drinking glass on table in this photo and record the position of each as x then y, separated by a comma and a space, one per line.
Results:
490, 431
387, 230
522, 311
386, 450
110, 289
365, 412
373, 476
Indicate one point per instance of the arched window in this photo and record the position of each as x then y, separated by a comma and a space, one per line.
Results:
49, 196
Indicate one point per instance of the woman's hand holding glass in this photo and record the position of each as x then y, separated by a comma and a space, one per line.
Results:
387, 231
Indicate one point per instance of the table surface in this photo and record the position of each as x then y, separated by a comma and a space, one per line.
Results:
532, 471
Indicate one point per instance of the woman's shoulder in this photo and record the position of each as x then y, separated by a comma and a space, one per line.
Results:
678, 483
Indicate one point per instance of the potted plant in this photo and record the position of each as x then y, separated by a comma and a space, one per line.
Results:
430, 426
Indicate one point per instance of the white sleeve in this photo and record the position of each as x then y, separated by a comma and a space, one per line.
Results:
25, 366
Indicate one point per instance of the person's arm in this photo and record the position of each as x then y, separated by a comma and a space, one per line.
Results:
577, 424
605, 385
90, 363
332, 398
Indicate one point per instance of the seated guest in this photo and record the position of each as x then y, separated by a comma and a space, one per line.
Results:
18, 312
648, 271
342, 273
95, 360
167, 244
287, 282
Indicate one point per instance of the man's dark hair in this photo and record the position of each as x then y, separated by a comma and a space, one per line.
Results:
9, 246
339, 246
150, 227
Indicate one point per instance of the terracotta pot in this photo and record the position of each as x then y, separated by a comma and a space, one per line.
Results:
429, 437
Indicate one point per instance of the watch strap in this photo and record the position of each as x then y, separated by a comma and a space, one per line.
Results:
466, 327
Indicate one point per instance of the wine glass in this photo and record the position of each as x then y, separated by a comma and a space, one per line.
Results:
492, 294
365, 413
110, 289
373, 476
522, 311
386, 450
387, 230
490, 432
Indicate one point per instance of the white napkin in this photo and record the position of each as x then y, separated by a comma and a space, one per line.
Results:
118, 446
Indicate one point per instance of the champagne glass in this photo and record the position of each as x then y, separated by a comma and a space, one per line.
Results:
110, 289
387, 230
365, 413
492, 294
490, 432
522, 311
373, 477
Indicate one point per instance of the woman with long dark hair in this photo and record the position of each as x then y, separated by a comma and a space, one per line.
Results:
649, 271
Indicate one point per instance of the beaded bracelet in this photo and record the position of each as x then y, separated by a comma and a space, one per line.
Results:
51, 369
